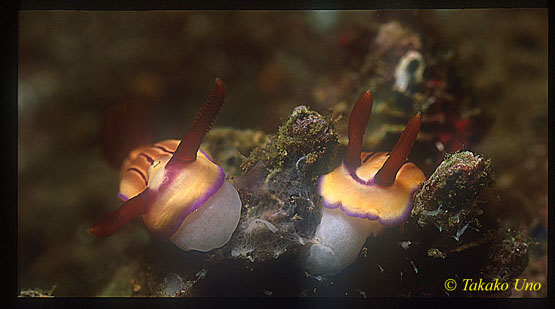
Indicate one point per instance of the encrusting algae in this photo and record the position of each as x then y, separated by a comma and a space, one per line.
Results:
279, 189
448, 199
306, 136
454, 232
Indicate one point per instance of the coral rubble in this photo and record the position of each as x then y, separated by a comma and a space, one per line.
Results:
280, 205
448, 198
453, 235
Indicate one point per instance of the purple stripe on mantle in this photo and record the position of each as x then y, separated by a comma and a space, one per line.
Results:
170, 176
207, 157
122, 196
353, 174
387, 222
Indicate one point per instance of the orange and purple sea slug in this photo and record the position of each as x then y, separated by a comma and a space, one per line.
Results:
179, 191
366, 193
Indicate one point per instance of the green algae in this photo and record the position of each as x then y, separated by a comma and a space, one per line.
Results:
305, 135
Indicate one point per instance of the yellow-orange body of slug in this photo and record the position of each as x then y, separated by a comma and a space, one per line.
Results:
375, 186
173, 184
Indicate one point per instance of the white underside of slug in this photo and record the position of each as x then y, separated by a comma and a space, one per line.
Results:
211, 225
338, 241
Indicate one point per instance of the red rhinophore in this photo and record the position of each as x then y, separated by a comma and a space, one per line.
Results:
186, 152
205, 119
357, 126
115, 220
386, 175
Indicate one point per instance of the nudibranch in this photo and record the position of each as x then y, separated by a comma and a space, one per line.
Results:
368, 192
182, 195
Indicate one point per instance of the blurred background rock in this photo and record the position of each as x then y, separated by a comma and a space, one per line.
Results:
75, 66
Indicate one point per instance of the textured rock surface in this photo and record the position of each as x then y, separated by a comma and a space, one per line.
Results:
448, 199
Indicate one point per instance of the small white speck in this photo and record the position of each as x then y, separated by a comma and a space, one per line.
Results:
317, 278
201, 274
405, 244
362, 293
460, 232
270, 226
414, 267
440, 146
